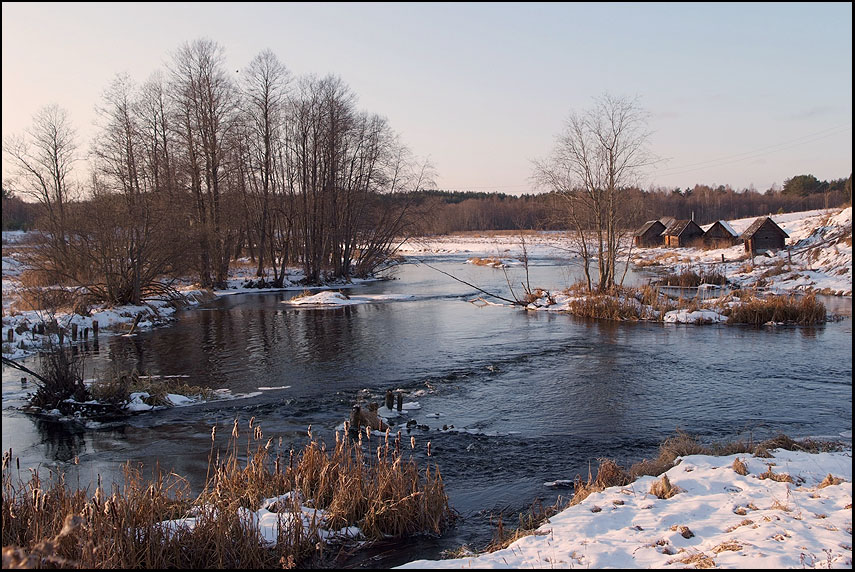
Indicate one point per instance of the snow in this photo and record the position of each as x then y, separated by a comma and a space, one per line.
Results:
276, 514
694, 317
719, 518
818, 256
335, 299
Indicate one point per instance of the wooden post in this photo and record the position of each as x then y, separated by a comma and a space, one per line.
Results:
10, 335
400, 401
355, 414
790, 256
722, 258
389, 399
95, 328
61, 333
74, 332
86, 333
23, 381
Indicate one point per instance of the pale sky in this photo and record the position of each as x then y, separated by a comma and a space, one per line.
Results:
738, 94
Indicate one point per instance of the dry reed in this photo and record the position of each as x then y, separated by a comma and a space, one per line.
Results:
789, 309
372, 487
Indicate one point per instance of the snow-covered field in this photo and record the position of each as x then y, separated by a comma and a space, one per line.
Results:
720, 519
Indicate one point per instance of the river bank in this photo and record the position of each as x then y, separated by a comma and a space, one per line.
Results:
819, 260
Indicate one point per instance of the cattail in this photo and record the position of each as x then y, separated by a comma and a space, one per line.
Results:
413, 441
387, 436
235, 429
368, 432
213, 433
258, 434
267, 445
251, 421
428, 448
310, 431
379, 449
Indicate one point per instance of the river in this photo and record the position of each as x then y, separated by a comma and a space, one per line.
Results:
531, 396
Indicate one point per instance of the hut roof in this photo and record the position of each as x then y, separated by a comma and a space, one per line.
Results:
645, 227
677, 228
757, 224
726, 227
667, 221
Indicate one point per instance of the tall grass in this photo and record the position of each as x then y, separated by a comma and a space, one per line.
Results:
792, 309
622, 304
374, 486
692, 279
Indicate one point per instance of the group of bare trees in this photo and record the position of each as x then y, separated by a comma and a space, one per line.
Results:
194, 168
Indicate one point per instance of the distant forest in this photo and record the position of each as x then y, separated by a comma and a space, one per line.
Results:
453, 211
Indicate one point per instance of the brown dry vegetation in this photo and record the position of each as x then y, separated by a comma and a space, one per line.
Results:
692, 279
622, 303
789, 309
369, 485
489, 261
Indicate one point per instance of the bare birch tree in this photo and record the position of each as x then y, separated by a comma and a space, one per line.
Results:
600, 153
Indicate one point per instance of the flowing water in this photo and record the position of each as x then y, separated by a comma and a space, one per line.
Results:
508, 399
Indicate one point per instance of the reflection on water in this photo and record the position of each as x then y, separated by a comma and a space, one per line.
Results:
511, 399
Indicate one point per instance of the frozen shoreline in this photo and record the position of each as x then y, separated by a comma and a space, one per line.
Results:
719, 519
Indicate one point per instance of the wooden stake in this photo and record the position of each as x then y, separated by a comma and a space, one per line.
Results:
400, 401
389, 399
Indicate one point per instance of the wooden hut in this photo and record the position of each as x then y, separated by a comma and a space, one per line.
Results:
720, 235
764, 235
649, 235
683, 233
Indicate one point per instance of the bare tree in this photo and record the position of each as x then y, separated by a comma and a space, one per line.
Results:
204, 105
43, 160
263, 111
600, 154
125, 235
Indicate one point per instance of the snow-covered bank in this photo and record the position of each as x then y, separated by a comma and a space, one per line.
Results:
117, 320
720, 518
818, 257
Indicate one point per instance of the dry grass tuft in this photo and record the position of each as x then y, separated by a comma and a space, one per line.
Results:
730, 545
829, 481
778, 477
491, 261
529, 522
609, 474
663, 488
740, 467
697, 559
745, 522
680, 445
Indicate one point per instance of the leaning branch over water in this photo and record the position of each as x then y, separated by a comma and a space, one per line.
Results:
514, 302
